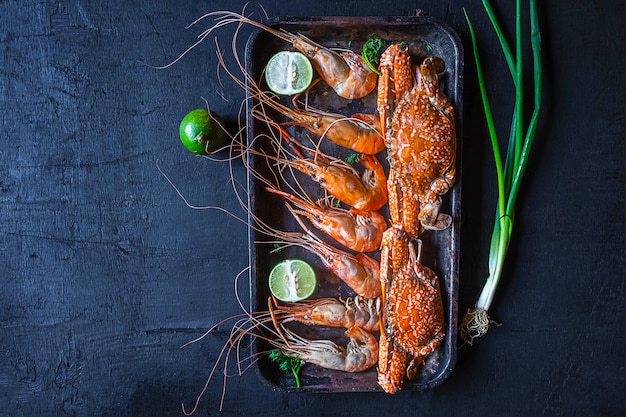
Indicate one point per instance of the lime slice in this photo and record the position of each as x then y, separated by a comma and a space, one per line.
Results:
292, 280
288, 73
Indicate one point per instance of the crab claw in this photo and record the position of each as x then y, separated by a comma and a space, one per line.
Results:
432, 220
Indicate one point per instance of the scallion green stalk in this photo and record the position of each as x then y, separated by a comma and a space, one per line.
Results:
476, 321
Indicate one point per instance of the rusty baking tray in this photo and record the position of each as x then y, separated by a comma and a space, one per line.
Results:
425, 36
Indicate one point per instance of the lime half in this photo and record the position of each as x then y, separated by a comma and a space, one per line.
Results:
292, 280
288, 73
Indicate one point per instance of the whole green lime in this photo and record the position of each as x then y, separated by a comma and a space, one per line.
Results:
201, 131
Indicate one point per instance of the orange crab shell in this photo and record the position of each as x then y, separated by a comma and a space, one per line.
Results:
415, 311
412, 321
418, 122
422, 150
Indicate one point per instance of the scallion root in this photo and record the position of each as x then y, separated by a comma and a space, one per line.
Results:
475, 324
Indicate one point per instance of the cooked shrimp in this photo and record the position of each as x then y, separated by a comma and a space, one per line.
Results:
342, 181
345, 72
359, 230
359, 355
358, 132
339, 178
358, 311
368, 192
360, 272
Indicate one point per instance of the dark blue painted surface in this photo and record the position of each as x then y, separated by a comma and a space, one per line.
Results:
105, 272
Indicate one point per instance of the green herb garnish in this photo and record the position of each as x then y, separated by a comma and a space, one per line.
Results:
287, 363
476, 321
372, 48
352, 158
278, 247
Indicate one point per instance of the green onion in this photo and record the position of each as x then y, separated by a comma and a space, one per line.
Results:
476, 321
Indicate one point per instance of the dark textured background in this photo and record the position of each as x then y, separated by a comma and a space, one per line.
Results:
105, 272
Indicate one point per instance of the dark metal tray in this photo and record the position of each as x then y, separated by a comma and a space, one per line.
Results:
425, 36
